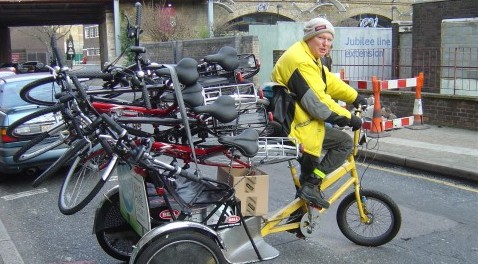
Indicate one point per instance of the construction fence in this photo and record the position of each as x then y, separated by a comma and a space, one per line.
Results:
449, 71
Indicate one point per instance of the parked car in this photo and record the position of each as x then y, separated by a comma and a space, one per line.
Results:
11, 66
34, 66
12, 108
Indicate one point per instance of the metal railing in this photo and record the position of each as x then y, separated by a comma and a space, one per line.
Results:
451, 71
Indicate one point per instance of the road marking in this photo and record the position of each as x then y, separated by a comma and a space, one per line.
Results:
23, 194
462, 187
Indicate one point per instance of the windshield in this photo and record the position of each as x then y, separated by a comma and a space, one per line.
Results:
10, 93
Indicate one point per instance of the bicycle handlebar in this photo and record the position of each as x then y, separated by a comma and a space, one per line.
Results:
138, 7
115, 126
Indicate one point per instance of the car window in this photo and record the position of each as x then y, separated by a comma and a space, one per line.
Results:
10, 96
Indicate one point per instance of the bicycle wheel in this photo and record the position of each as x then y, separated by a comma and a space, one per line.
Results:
383, 213
61, 162
114, 234
88, 173
35, 123
182, 247
41, 91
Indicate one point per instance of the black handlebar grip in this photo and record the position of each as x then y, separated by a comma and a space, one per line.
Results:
115, 126
79, 87
66, 98
95, 124
138, 14
144, 91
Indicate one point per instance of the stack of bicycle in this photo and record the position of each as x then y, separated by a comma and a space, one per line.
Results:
154, 124
201, 113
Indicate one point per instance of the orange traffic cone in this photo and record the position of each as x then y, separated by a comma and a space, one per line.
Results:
377, 125
417, 106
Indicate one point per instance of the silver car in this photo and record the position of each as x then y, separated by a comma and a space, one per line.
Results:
12, 108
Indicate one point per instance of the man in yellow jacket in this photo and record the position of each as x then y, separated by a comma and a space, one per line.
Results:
316, 89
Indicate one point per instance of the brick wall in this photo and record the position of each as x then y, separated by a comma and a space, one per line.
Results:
172, 52
427, 18
442, 110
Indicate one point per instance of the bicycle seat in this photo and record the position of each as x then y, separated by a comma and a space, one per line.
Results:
192, 95
186, 69
246, 142
214, 80
223, 109
226, 58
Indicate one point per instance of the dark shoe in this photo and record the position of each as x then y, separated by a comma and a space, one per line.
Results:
311, 193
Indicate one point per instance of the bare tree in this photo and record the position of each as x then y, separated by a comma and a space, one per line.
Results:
165, 23
45, 33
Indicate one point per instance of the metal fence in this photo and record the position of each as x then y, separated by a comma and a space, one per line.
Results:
451, 71
37, 56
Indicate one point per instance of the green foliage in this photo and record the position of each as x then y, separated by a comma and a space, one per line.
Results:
126, 42
203, 33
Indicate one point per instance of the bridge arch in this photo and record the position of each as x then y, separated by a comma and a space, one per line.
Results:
242, 23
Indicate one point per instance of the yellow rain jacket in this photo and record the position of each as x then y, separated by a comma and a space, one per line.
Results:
304, 76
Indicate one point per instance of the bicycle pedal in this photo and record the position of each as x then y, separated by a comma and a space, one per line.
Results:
314, 206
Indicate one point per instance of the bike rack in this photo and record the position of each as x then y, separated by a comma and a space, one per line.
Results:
275, 150
244, 94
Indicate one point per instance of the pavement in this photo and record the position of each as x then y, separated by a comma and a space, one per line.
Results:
451, 152
447, 151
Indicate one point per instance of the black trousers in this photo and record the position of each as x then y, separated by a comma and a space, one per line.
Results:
337, 146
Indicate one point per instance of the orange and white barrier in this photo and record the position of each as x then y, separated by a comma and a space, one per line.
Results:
378, 125
384, 85
392, 124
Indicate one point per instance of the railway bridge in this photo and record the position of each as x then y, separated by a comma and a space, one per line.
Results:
106, 13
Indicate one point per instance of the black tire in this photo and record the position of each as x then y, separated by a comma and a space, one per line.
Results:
384, 214
12, 129
85, 178
93, 75
27, 93
182, 247
61, 162
115, 236
37, 146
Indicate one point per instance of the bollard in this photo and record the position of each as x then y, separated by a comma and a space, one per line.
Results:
377, 130
417, 106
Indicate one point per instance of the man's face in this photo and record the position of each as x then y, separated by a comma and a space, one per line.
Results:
320, 44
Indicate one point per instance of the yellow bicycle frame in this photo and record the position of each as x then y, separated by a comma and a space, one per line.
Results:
273, 223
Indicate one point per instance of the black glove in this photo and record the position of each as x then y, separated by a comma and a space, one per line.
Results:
355, 123
360, 100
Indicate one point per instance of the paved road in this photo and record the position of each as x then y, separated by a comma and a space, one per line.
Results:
439, 224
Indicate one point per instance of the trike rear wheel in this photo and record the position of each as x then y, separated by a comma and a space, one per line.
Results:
383, 213
182, 247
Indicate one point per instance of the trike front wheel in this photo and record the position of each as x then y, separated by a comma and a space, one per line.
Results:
384, 219
182, 247
115, 236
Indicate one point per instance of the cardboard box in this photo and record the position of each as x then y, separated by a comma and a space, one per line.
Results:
252, 188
